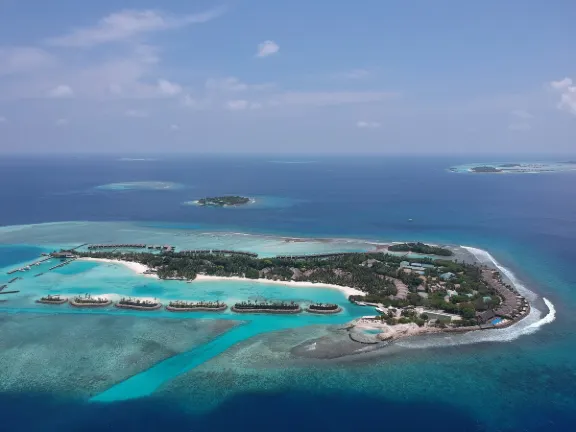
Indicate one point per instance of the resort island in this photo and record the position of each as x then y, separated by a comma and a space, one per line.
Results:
224, 201
410, 294
515, 167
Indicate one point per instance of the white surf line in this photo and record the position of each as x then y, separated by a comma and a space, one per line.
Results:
530, 324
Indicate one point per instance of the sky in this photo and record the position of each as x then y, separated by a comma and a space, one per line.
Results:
261, 76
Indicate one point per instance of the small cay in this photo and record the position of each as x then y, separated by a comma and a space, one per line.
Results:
267, 307
138, 304
88, 301
189, 306
52, 299
324, 308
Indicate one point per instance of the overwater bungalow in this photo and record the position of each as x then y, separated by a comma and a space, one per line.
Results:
188, 306
88, 301
52, 299
138, 304
267, 307
324, 308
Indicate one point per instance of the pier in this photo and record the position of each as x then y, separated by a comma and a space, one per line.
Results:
217, 252
164, 248
8, 292
62, 264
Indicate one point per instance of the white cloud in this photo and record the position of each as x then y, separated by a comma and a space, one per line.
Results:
174, 128
267, 48
62, 122
567, 91
521, 114
237, 105
362, 124
255, 105
61, 91
519, 127
561, 84
168, 88
17, 60
127, 25
3, 119
135, 113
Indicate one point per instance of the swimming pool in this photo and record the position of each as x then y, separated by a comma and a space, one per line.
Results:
496, 321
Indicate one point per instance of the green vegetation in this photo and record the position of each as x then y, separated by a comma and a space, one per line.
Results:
421, 248
221, 201
324, 307
267, 306
485, 169
180, 304
129, 301
88, 299
384, 278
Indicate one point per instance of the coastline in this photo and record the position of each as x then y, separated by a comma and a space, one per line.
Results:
141, 269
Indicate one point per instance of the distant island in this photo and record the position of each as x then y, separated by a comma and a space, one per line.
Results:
224, 201
485, 169
515, 167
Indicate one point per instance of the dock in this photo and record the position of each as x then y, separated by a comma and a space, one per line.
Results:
14, 279
8, 292
62, 264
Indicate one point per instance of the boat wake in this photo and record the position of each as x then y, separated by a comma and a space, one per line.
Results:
530, 324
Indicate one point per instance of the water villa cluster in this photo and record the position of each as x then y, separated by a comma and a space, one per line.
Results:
191, 306
218, 252
138, 304
223, 201
324, 308
267, 307
188, 306
88, 301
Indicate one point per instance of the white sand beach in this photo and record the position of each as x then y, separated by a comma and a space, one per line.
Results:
141, 268
134, 266
344, 289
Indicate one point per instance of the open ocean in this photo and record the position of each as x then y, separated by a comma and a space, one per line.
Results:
224, 374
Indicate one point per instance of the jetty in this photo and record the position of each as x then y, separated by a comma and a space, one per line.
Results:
14, 280
62, 264
165, 248
9, 292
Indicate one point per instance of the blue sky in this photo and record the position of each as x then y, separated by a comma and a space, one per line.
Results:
287, 76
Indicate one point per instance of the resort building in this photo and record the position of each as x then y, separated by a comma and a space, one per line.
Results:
441, 316
447, 276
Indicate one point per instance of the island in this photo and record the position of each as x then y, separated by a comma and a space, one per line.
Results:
188, 306
138, 304
88, 301
224, 201
422, 294
515, 167
420, 248
52, 299
485, 169
267, 307
324, 308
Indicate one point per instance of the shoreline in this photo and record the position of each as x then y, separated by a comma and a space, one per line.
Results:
141, 269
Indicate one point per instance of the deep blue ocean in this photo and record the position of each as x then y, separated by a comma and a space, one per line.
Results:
527, 221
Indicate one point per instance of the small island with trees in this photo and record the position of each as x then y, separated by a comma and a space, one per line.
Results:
267, 307
324, 308
53, 299
201, 306
223, 201
88, 301
138, 304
